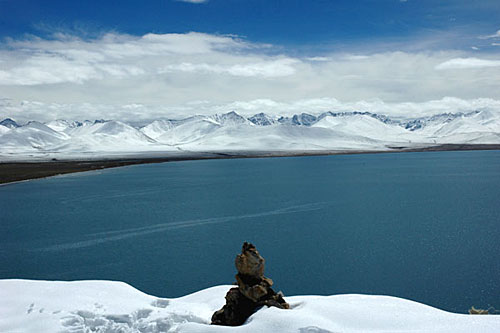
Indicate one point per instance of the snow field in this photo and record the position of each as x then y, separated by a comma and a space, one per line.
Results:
108, 306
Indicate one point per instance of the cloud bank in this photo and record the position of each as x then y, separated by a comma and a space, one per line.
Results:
460, 63
161, 75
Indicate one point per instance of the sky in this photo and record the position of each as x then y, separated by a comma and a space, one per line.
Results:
143, 60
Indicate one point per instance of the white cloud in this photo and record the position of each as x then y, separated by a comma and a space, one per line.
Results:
122, 76
72, 60
465, 63
266, 69
318, 59
356, 57
495, 35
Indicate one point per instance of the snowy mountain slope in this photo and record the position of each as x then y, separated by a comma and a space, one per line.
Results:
300, 119
366, 126
230, 119
325, 138
278, 137
478, 122
189, 130
33, 136
233, 132
106, 306
470, 138
473, 127
107, 136
61, 125
435, 120
3, 129
157, 128
349, 130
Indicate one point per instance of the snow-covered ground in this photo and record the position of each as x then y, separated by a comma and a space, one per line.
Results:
107, 306
341, 131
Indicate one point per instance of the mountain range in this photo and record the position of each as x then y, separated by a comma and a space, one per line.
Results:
350, 130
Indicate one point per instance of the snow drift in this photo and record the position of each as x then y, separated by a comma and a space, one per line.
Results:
106, 306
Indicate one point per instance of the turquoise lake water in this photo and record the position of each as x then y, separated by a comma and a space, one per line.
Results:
424, 226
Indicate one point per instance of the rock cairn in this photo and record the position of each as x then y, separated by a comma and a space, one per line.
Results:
253, 291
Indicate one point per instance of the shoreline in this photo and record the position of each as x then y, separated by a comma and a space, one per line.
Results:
18, 171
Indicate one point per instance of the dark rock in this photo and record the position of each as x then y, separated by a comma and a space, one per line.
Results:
7, 122
253, 291
249, 262
236, 311
262, 119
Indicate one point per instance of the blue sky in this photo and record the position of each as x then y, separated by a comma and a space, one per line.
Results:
287, 22
179, 57
283, 22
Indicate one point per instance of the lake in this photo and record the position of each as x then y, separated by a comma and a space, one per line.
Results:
423, 226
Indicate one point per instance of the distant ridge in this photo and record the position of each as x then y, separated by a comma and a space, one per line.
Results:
347, 130
7, 122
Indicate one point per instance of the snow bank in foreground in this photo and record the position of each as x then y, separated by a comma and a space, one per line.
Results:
106, 306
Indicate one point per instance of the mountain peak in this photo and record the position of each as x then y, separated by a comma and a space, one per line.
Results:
262, 119
305, 119
229, 118
7, 122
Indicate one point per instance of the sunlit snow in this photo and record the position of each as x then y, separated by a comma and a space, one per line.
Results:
106, 306
232, 132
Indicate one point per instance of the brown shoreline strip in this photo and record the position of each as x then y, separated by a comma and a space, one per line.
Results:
18, 171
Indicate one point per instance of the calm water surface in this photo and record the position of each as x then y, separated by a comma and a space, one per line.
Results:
424, 226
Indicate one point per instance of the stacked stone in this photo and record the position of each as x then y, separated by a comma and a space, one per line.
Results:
253, 291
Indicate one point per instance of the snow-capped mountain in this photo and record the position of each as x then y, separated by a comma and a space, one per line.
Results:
157, 128
365, 125
189, 130
31, 137
106, 136
61, 125
230, 118
9, 123
301, 119
262, 119
349, 130
438, 119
